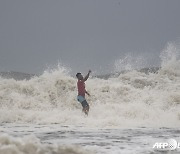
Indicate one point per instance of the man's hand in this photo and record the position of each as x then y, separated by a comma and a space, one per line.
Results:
87, 76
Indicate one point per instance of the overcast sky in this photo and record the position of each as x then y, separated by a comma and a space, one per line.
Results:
83, 34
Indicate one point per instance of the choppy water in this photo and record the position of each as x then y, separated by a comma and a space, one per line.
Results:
90, 140
127, 112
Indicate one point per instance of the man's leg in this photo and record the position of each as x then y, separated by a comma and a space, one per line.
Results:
85, 106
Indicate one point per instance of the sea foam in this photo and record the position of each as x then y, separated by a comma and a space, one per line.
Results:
132, 99
32, 145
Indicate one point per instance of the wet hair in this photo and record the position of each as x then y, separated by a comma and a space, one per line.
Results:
77, 74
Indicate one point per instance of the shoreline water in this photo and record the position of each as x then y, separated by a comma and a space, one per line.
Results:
132, 140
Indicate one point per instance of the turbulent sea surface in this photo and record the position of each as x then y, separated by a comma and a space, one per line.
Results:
129, 112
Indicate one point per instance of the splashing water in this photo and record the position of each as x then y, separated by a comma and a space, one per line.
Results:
170, 60
132, 99
31, 144
129, 62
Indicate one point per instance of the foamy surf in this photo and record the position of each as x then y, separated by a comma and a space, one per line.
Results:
32, 145
58, 139
133, 99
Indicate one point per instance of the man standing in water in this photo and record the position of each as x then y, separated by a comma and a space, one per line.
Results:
82, 91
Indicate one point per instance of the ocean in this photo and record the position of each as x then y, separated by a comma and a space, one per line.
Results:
132, 113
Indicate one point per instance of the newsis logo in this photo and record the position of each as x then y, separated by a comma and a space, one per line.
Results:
171, 144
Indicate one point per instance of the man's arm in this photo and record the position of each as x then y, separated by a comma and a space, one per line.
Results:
87, 76
87, 93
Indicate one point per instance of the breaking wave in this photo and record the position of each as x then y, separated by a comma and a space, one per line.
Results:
133, 99
31, 144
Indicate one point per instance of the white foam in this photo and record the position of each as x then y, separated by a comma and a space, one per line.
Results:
130, 100
32, 145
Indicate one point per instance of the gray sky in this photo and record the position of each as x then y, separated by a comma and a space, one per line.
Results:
83, 34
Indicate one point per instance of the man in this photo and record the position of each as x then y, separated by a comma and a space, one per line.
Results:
82, 91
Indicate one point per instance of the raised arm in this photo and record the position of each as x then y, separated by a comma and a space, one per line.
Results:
87, 76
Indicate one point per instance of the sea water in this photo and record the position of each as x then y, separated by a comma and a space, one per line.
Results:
129, 113
58, 139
